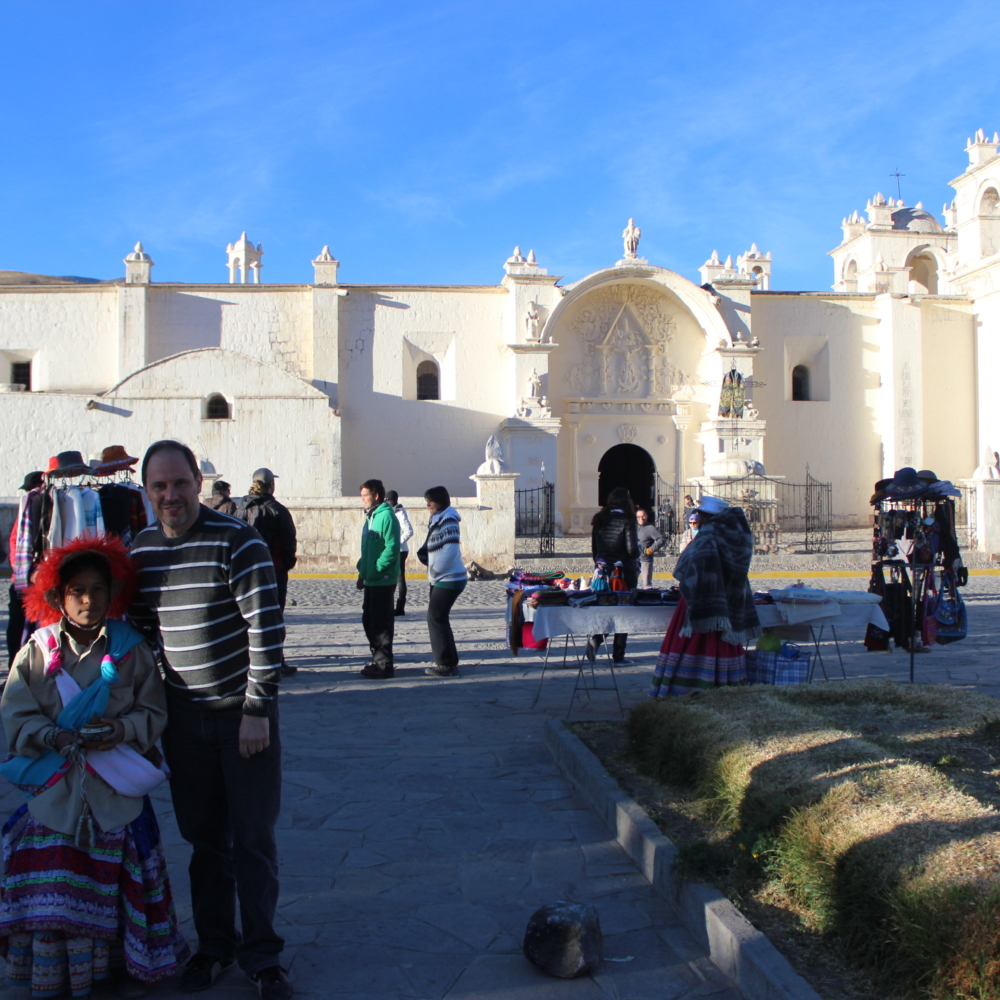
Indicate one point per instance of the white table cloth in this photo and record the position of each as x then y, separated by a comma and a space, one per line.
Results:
595, 620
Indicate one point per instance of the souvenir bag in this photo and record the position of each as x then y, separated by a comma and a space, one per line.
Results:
950, 613
877, 639
929, 624
897, 608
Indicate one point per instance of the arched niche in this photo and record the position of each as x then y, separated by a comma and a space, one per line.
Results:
630, 466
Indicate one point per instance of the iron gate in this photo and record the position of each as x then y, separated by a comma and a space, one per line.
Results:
534, 516
784, 517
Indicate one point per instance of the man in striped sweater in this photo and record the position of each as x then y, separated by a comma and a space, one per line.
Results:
207, 594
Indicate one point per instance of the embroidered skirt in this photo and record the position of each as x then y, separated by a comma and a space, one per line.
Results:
695, 662
68, 915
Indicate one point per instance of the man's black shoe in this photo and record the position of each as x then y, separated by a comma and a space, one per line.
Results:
287, 670
399, 612
378, 673
272, 983
202, 971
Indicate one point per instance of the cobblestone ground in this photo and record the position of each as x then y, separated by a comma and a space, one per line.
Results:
423, 819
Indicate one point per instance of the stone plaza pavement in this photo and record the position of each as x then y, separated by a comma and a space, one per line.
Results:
424, 821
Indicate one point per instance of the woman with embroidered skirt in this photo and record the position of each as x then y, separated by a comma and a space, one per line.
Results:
716, 617
442, 555
84, 889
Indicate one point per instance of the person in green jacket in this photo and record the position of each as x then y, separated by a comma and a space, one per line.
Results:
378, 571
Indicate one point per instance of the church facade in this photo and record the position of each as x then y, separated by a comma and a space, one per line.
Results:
630, 371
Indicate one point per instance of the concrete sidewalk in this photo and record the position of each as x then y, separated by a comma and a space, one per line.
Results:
424, 821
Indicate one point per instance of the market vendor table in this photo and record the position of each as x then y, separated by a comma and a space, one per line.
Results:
562, 620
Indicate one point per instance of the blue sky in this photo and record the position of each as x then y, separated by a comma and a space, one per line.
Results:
422, 141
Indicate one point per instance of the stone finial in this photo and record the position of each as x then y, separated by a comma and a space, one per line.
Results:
325, 268
531, 257
515, 257
988, 470
138, 267
244, 257
494, 464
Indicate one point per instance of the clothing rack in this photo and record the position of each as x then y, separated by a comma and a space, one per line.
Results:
925, 534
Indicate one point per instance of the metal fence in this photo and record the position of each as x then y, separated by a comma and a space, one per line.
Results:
534, 516
784, 517
965, 518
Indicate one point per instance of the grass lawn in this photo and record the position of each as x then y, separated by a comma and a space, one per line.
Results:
856, 822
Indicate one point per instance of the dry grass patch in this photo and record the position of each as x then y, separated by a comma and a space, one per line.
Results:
844, 795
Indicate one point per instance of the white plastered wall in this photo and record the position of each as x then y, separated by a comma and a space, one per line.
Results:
74, 332
838, 439
413, 444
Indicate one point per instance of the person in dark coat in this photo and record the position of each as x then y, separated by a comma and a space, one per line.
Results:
274, 524
18, 629
220, 499
614, 537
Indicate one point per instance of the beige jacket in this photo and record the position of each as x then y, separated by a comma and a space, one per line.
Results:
31, 703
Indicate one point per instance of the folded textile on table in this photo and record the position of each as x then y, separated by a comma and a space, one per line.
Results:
548, 597
854, 597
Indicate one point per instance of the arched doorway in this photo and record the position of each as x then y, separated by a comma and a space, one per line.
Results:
630, 466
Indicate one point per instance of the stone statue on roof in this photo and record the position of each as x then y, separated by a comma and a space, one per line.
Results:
631, 235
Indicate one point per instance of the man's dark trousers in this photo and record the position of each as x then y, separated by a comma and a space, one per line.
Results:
226, 809
15, 624
401, 594
378, 622
439, 604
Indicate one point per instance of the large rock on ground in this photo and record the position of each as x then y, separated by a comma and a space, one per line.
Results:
564, 939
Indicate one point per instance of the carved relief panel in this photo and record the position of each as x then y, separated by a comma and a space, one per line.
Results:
625, 332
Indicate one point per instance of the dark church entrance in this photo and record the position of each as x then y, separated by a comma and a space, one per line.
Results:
630, 466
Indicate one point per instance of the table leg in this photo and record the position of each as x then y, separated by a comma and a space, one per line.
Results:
819, 655
545, 664
836, 643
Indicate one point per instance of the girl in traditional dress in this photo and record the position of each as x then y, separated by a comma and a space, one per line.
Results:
84, 888
716, 617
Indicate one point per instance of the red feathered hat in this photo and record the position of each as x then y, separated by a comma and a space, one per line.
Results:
41, 598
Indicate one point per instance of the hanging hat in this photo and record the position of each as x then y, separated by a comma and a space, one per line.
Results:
926, 476
69, 463
42, 597
32, 480
906, 483
53, 465
712, 505
113, 459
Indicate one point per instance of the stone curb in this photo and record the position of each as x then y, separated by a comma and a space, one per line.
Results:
735, 947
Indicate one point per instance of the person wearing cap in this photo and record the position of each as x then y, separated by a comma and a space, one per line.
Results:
274, 524
18, 628
405, 534
220, 499
715, 617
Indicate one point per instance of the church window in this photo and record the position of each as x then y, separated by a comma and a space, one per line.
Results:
428, 380
851, 276
20, 374
923, 275
217, 407
989, 226
800, 383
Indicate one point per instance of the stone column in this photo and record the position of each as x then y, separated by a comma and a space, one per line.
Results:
574, 463
490, 541
682, 421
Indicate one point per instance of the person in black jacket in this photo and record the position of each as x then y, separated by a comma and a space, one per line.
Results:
614, 537
274, 524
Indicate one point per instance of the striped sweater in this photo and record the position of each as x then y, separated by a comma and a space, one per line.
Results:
211, 596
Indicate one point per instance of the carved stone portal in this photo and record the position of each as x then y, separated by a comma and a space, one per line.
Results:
625, 330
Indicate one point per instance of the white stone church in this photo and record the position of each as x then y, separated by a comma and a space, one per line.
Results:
630, 370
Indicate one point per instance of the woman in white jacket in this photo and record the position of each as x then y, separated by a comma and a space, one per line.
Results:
442, 555
405, 534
